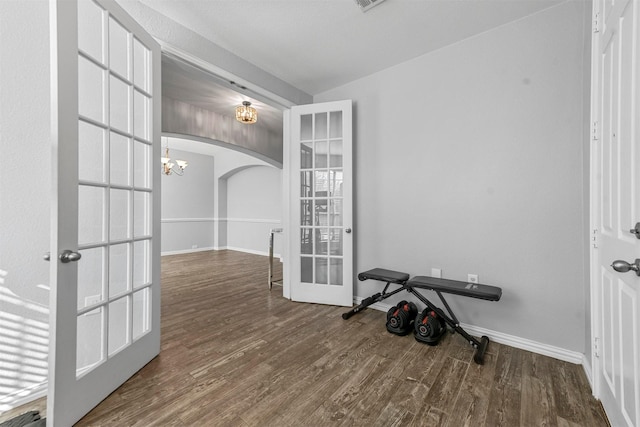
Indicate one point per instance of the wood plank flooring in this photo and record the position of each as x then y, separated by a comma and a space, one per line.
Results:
235, 354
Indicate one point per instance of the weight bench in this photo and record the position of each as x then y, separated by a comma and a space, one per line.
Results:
439, 286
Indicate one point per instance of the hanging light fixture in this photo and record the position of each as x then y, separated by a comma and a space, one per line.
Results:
168, 165
245, 113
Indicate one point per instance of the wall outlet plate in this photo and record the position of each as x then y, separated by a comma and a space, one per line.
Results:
436, 272
472, 278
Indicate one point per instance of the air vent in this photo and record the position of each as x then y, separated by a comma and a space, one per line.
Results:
365, 5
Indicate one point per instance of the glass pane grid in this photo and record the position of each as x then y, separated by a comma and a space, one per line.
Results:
321, 202
115, 175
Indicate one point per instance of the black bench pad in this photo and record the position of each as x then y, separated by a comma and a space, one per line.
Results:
486, 292
384, 275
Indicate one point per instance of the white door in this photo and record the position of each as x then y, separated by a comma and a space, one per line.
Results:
105, 293
318, 165
616, 208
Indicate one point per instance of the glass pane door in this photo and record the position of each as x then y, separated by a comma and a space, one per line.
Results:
321, 203
105, 305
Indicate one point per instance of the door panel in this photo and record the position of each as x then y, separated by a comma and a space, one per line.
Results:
616, 154
320, 266
105, 311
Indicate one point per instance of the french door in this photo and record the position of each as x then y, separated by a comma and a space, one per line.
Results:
105, 255
318, 164
616, 208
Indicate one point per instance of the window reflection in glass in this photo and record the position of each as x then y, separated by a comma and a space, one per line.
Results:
321, 184
306, 241
306, 184
335, 182
335, 212
306, 212
321, 154
322, 214
306, 269
335, 154
322, 271
335, 270
306, 155
335, 241
322, 241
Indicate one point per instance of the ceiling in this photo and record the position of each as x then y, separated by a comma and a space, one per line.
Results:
316, 45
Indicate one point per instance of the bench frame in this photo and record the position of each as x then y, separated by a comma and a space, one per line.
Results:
413, 288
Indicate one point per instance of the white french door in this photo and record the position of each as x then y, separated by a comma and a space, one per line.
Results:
318, 164
615, 184
105, 255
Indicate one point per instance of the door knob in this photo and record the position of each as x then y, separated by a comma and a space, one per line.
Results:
46, 256
636, 230
624, 266
347, 230
68, 256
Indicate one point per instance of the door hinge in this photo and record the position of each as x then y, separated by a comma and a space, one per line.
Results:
594, 131
596, 347
596, 23
595, 238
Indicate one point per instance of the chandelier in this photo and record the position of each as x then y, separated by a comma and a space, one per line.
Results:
168, 165
245, 113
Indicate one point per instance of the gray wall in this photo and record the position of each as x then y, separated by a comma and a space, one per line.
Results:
25, 193
471, 159
254, 206
188, 204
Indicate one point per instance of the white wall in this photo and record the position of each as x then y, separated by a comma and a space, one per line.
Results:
188, 204
254, 206
471, 159
25, 191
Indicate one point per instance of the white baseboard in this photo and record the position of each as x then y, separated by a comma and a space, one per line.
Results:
24, 396
251, 251
222, 248
187, 251
588, 372
510, 340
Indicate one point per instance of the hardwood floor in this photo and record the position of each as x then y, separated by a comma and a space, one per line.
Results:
235, 354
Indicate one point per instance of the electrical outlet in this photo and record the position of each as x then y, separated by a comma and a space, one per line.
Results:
436, 272
194, 246
472, 278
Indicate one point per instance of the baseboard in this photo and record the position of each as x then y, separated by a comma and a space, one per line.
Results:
24, 396
510, 340
586, 365
220, 248
187, 251
251, 251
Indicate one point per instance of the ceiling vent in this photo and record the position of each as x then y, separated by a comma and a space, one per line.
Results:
365, 5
